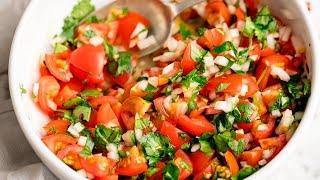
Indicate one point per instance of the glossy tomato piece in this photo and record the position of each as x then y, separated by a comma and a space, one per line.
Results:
202, 175
56, 126
132, 165
98, 101
128, 120
232, 162
64, 95
261, 130
184, 164
59, 68
87, 77
159, 105
235, 82
70, 156
106, 116
217, 9
121, 80
276, 143
98, 165
110, 177
56, 142
89, 59
271, 94
187, 63
48, 90
200, 161
252, 157
175, 135
196, 125
211, 38
127, 25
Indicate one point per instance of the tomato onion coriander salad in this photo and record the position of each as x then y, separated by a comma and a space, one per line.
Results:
219, 101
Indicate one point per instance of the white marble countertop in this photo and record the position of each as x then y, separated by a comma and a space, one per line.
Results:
304, 163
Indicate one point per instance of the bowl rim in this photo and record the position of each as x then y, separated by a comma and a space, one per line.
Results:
63, 171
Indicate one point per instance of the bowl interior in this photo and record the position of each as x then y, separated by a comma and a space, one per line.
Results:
44, 18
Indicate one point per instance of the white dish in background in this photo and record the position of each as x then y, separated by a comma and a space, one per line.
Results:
44, 18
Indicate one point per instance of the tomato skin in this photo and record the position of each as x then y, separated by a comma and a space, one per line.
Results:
158, 175
52, 141
96, 102
211, 38
252, 157
274, 142
201, 175
235, 82
199, 161
89, 59
133, 165
245, 126
252, 4
110, 177
64, 95
56, 126
261, 134
219, 8
121, 80
61, 73
231, 162
48, 89
127, 25
241, 16
159, 105
71, 152
97, 165
169, 130
106, 116
187, 63
196, 125
270, 94
128, 120
86, 77
180, 155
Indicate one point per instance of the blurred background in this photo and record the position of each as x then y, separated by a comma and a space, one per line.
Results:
18, 161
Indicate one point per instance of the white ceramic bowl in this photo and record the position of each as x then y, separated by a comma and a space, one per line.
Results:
44, 18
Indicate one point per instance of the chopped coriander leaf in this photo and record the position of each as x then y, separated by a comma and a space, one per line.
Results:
182, 135
104, 135
110, 50
201, 30
185, 146
92, 19
90, 33
142, 123
82, 113
87, 149
185, 165
141, 78
224, 122
225, 140
67, 114
249, 28
282, 102
79, 12
124, 63
237, 146
226, 46
205, 147
222, 86
194, 76
197, 53
75, 102
243, 112
170, 171
22, 89
60, 48
124, 11
151, 171
185, 32
244, 172
192, 104
156, 147
175, 77
151, 89
90, 93
53, 130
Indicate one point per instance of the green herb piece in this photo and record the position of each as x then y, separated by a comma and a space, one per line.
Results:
197, 53
79, 12
185, 146
124, 11
104, 135
74, 102
224, 122
92, 19
22, 89
89, 33
142, 78
124, 63
87, 149
282, 102
90, 93
110, 50
244, 172
67, 114
82, 112
226, 46
152, 171
205, 147
226, 140
201, 30
170, 171
53, 130
243, 112
194, 76
192, 104
156, 147
185, 32
222, 86
185, 165
237, 146
142, 123
175, 77
60, 48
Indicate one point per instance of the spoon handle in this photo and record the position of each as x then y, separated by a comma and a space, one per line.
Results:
177, 8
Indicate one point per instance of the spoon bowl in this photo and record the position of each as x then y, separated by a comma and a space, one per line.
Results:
160, 15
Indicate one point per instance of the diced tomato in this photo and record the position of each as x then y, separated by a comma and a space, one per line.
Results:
261, 130
158, 175
159, 105
64, 95
98, 165
231, 162
252, 4
187, 63
235, 82
132, 165
196, 125
203, 174
218, 8
200, 161
121, 80
106, 116
86, 77
70, 156
44, 70
241, 16
274, 142
128, 120
211, 38
259, 103
56, 142
271, 94
286, 48
252, 157
113, 31
182, 160
188, 14
110, 177
48, 90
266, 52
127, 25
96, 102
245, 126
56, 126
175, 135
59, 68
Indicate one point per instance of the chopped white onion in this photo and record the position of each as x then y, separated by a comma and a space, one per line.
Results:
276, 113
226, 106
271, 41
142, 35
244, 90
195, 147
82, 141
138, 133
153, 81
168, 69
133, 42
52, 105
267, 153
262, 162
142, 84
282, 74
73, 132
240, 131
285, 122
96, 40
171, 44
78, 127
165, 57
167, 102
232, 9
243, 67
221, 60
138, 29
127, 139
145, 43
